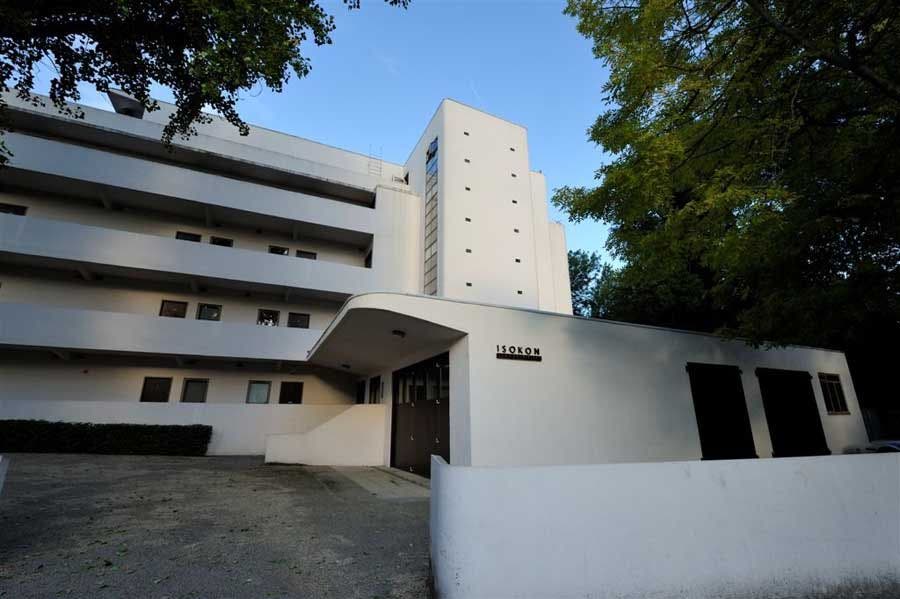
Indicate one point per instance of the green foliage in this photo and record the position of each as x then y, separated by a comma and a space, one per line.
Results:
754, 184
205, 52
41, 436
584, 269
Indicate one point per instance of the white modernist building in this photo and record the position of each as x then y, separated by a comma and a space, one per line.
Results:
324, 306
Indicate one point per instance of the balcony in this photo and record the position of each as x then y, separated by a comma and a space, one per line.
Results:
60, 244
62, 329
72, 170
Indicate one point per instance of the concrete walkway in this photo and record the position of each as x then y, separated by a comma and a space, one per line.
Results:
135, 526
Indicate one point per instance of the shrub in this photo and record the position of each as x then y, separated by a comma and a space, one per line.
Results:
41, 436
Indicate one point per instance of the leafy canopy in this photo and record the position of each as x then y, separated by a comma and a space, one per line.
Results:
205, 52
755, 176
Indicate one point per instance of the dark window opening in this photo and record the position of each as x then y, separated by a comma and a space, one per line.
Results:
307, 255
468, 284
466, 133
209, 312
515, 230
298, 320
223, 241
156, 389
258, 392
13, 209
173, 309
721, 411
267, 318
519, 292
467, 160
279, 250
518, 260
368, 261
468, 251
291, 392
515, 201
468, 220
833, 393
468, 189
513, 175
375, 389
185, 236
792, 413
361, 392
194, 390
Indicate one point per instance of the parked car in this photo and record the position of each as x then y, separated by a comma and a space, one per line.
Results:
876, 447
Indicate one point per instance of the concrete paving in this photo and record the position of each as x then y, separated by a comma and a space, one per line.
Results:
224, 527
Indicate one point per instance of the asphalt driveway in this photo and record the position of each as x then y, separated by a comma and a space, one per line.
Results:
139, 526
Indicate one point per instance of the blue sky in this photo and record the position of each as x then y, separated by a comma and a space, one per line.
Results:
376, 87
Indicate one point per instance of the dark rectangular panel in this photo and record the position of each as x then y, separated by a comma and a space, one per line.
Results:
721, 411
792, 413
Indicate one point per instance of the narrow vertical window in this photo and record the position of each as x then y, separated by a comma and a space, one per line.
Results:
431, 218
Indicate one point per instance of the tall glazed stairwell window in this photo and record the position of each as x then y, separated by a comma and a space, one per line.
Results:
431, 217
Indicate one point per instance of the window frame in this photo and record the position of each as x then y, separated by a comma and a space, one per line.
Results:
14, 209
184, 386
292, 314
163, 303
188, 236
259, 312
168, 379
250, 384
279, 250
833, 394
281, 389
307, 255
200, 309
216, 240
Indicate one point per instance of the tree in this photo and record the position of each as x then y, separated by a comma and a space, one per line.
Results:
206, 52
584, 270
754, 188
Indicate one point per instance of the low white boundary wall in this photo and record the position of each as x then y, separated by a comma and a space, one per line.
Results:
682, 529
353, 438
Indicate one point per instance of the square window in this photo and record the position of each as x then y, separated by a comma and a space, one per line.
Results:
466, 133
468, 220
298, 320
209, 312
468, 251
306, 255
833, 393
156, 389
467, 160
518, 260
513, 175
515, 230
277, 249
185, 236
291, 392
173, 309
512, 149
258, 391
194, 390
468, 189
223, 241
13, 209
468, 284
267, 318
519, 292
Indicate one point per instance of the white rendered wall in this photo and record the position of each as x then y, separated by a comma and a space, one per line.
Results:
604, 392
352, 438
45, 238
164, 225
705, 530
262, 146
118, 171
91, 392
37, 326
559, 257
121, 297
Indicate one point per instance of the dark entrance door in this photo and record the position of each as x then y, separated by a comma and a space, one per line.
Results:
721, 411
792, 413
421, 415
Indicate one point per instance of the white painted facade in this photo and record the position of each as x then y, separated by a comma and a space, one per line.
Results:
799, 527
89, 213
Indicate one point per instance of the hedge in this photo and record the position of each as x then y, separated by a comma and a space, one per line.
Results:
41, 436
